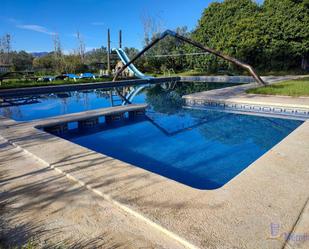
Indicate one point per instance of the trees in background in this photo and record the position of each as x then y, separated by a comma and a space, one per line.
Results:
58, 60
45, 64
273, 36
77, 62
168, 54
96, 55
286, 27
21, 61
81, 48
17, 60
5, 49
224, 27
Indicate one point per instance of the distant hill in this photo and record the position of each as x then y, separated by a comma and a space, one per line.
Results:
39, 54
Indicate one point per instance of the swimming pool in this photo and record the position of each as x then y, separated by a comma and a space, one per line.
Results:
201, 149
47, 105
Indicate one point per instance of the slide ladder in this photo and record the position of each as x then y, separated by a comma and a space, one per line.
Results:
125, 59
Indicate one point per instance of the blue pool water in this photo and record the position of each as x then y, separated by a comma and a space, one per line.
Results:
202, 149
48, 105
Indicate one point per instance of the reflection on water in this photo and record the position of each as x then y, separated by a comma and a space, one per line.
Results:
165, 98
202, 149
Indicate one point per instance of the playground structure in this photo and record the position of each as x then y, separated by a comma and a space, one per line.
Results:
245, 66
135, 90
128, 63
125, 59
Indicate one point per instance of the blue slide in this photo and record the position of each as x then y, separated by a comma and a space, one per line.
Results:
125, 59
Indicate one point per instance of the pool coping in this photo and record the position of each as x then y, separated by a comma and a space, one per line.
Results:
238, 214
236, 99
12, 92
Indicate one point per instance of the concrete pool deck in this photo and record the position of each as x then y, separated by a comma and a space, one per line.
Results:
42, 206
235, 98
274, 190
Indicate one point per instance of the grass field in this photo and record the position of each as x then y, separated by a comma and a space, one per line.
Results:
295, 88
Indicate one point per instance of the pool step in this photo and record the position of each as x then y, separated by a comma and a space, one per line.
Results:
88, 119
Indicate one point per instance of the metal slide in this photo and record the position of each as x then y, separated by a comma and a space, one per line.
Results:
125, 59
137, 89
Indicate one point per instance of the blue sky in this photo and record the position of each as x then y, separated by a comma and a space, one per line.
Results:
33, 22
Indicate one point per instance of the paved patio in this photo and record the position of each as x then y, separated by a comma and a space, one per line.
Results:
40, 205
274, 189
272, 193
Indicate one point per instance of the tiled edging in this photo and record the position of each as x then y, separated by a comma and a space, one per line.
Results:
302, 113
219, 79
267, 191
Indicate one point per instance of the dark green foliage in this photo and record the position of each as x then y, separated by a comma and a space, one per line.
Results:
274, 36
168, 46
21, 60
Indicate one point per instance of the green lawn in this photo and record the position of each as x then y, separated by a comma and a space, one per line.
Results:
7, 84
295, 88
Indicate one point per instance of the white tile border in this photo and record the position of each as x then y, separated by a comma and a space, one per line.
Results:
302, 113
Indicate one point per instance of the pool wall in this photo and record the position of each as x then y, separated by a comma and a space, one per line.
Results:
240, 212
219, 79
235, 99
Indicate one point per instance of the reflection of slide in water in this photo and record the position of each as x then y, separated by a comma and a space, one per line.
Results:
117, 99
137, 89
125, 59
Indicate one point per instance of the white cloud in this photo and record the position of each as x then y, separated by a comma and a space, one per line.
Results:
13, 20
98, 23
36, 28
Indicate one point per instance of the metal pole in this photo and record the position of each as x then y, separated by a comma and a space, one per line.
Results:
139, 54
247, 67
120, 39
225, 57
108, 52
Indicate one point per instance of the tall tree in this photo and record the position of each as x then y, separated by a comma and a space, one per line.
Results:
219, 28
57, 54
168, 54
286, 27
21, 60
5, 49
81, 46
